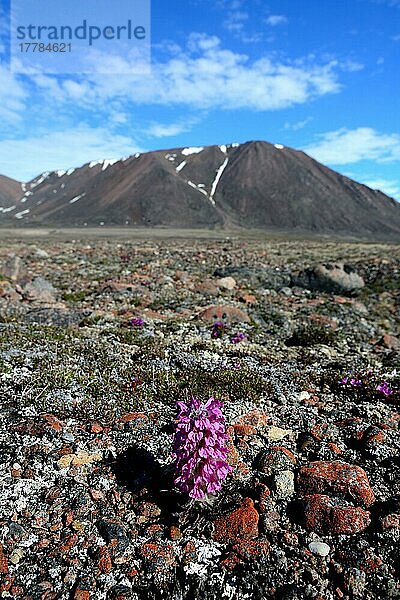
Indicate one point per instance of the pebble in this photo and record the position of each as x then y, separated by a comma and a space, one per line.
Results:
319, 548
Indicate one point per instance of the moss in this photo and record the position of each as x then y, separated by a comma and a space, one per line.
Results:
76, 296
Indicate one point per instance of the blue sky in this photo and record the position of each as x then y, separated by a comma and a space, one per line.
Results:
317, 75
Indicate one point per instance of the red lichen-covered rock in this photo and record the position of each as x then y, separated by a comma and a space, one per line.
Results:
104, 560
252, 549
225, 314
233, 455
247, 298
243, 430
128, 417
255, 418
241, 524
390, 341
322, 477
95, 427
3, 562
277, 459
54, 423
81, 594
348, 519
158, 556
317, 511
391, 521
322, 516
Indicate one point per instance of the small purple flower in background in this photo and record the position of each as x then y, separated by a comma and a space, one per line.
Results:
353, 381
137, 322
238, 337
200, 449
384, 388
217, 329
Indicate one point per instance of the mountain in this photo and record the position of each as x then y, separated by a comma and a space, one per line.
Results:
10, 192
251, 185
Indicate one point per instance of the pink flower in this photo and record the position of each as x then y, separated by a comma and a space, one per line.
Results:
200, 449
384, 388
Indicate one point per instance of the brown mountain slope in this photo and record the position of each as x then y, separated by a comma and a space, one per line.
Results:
274, 187
252, 185
10, 191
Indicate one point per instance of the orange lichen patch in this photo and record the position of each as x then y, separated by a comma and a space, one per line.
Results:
256, 418
252, 549
322, 516
54, 423
373, 436
323, 476
323, 320
7, 585
95, 427
286, 452
133, 573
247, 298
160, 555
3, 562
334, 448
264, 497
128, 417
233, 454
70, 542
245, 430
319, 431
372, 564
241, 524
104, 560
81, 594
175, 533
391, 521
230, 562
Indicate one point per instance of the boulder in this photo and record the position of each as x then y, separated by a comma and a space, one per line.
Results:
334, 278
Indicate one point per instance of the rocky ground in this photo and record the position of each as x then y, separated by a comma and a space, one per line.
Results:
99, 339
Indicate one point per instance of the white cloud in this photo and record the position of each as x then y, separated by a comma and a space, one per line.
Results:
160, 130
12, 97
345, 146
391, 187
235, 21
298, 125
207, 76
274, 20
26, 158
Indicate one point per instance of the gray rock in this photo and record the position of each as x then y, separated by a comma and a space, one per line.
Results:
13, 268
40, 253
335, 278
284, 484
56, 316
40, 290
319, 548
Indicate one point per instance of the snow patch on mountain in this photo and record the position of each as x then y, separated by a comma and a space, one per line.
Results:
193, 150
181, 166
218, 177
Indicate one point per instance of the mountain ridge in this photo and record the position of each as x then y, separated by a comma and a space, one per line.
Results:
251, 185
